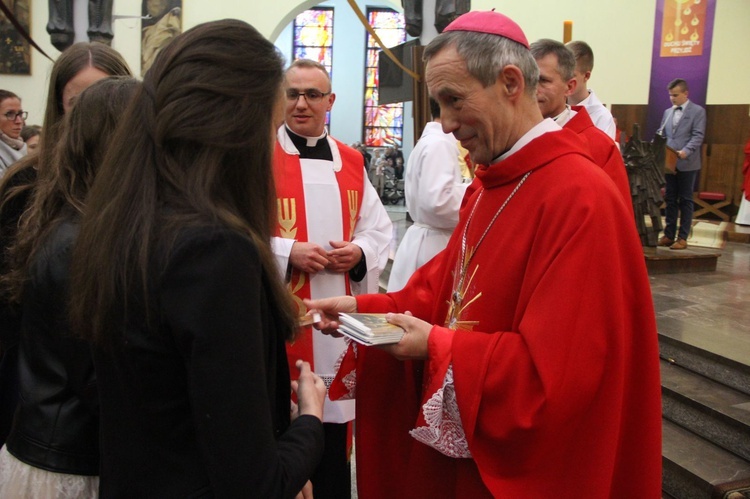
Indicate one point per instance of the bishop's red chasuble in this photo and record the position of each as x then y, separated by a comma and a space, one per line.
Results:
543, 356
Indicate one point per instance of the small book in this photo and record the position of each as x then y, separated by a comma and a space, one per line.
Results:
369, 329
670, 161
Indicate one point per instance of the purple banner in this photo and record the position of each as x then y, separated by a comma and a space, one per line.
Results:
683, 31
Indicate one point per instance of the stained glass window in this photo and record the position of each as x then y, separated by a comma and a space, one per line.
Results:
313, 39
384, 125
313, 36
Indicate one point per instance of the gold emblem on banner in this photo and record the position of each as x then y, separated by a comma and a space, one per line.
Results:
286, 211
353, 201
295, 286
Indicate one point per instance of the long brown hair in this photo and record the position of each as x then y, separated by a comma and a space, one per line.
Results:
18, 182
194, 148
61, 189
74, 59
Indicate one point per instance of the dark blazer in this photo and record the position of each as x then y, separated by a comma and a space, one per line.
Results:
688, 136
56, 426
196, 403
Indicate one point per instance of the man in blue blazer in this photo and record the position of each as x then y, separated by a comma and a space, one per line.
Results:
684, 126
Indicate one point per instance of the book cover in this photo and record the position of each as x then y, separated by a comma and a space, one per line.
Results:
369, 323
369, 329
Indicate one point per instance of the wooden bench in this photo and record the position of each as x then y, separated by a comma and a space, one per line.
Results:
710, 202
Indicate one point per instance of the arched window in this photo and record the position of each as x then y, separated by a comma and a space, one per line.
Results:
383, 125
313, 39
313, 36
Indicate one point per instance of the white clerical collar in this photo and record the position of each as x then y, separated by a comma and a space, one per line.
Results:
564, 117
311, 141
544, 126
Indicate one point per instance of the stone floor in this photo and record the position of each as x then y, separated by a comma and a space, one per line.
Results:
710, 310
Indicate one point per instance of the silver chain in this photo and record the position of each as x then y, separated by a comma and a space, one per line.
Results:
489, 226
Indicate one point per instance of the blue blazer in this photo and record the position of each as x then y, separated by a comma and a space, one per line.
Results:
687, 136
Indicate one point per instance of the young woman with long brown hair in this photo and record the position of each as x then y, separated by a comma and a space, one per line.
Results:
53, 448
75, 69
175, 283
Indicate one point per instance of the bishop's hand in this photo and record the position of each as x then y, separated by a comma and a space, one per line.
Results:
329, 310
413, 345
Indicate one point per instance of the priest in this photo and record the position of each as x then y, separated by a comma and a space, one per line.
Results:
530, 366
332, 237
556, 83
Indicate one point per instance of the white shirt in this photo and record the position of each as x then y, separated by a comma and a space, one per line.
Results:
433, 188
600, 115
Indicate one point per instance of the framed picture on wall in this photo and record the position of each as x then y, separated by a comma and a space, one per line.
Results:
15, 53
162, 21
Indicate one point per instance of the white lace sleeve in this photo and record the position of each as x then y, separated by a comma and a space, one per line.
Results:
443, 432
348, 379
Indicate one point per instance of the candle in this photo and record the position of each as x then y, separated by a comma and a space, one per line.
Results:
567, 31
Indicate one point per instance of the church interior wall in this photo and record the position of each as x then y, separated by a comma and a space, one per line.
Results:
620, 33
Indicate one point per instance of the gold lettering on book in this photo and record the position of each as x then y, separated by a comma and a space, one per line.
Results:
353, 202
286, 211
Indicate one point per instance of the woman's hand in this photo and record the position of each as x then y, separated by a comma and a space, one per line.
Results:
310, 390
306, 492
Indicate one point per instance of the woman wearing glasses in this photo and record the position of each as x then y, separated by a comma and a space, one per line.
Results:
73, 71
12, 118
53, 448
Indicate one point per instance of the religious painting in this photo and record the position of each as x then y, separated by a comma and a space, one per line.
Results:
15, 53
683, 27
162, 21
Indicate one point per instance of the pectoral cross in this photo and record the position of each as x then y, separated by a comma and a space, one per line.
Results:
461, 286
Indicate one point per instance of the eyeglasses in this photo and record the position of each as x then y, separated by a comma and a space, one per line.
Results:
311, 95
12, 115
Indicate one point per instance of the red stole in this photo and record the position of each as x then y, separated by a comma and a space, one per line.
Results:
292, 224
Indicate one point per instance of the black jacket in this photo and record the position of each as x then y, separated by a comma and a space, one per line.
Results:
10, 313
196, 402
57, 421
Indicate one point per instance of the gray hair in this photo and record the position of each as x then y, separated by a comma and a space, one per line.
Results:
566, 61
486, 55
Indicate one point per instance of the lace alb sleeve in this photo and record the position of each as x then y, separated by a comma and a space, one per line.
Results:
443, 431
